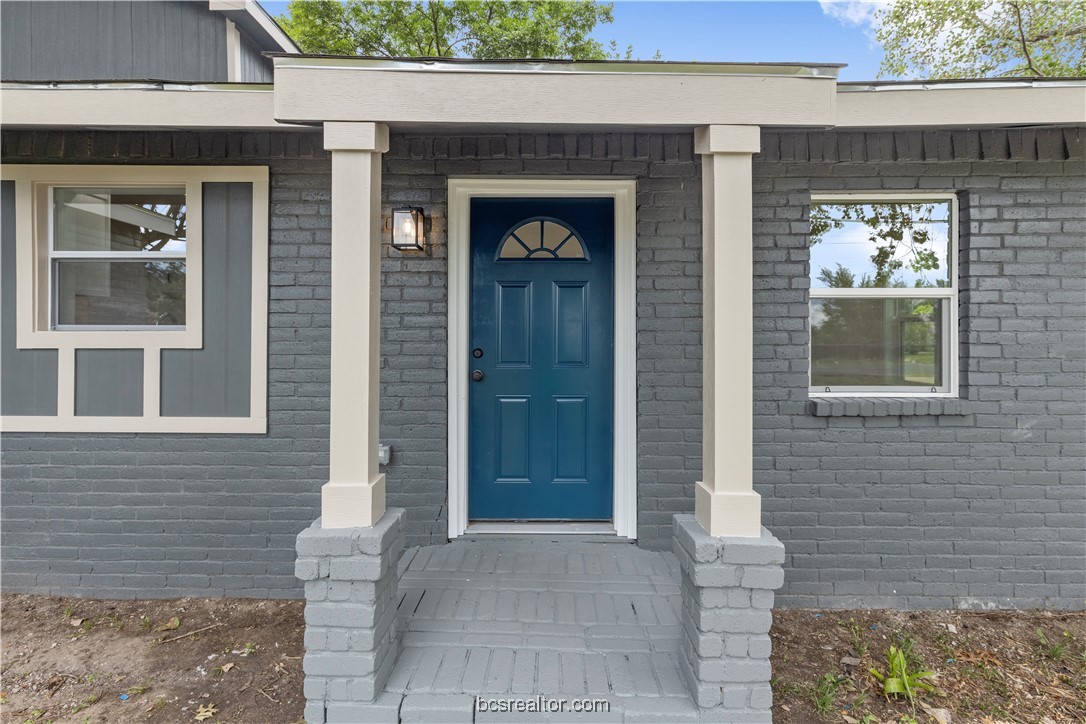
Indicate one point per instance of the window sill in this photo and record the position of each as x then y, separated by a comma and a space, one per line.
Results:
888, 406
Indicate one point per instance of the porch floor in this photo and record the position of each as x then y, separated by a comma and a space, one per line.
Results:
518, 619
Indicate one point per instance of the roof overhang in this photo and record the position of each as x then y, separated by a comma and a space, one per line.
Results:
138, 106
257, 23
951, 104
563, 94
545, 96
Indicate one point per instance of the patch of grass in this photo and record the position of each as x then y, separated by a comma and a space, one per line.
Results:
824, 696
137, 690
159, 703
249, 648
69, 611
1053, 650
859, 639
145, 624
942, 640
785, 688
93, 698
91, 678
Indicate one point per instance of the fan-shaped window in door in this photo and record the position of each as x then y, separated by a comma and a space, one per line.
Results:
542, 238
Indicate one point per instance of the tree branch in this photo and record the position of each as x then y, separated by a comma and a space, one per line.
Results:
1022, 36
1069, 33
464, 39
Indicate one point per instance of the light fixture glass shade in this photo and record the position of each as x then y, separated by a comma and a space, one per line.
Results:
408, 232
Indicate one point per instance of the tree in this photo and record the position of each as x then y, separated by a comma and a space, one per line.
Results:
482, 29
900, 234
983, 38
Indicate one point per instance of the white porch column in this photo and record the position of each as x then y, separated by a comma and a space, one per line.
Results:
725, 503
355, 493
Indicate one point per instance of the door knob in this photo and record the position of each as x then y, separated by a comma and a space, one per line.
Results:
477, 375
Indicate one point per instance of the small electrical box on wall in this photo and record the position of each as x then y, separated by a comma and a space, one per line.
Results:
384, 454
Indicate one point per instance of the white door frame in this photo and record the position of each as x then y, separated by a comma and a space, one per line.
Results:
624, 193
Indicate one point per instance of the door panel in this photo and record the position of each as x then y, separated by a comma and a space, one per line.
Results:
571, 324
540, 425
514, 306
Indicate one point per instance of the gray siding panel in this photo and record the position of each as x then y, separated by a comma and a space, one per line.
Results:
255, 68
109, 382
28, 378
110, 40
215, 381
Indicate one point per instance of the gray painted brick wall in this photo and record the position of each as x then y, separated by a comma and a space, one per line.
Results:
979, 509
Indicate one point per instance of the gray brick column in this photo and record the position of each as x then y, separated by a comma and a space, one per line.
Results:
351, 635
727, 596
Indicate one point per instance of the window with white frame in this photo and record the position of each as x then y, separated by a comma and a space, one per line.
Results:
117, 257
884, 299
112, 257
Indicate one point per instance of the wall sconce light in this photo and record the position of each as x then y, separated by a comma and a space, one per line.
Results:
408, 229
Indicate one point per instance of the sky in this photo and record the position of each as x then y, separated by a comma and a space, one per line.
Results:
794, 31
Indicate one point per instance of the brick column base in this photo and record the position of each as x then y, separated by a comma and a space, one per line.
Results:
351, 636
727, 595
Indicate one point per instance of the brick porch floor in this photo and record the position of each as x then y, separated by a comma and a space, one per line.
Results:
517, 619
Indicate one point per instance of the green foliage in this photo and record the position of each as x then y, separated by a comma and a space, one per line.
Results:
901, 678
1053, 649
825, 693
481, 29
856, 630
983, 38
900, 233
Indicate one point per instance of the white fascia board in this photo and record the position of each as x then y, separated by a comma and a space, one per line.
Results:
961, 105
119, 106
507, 98
254, 20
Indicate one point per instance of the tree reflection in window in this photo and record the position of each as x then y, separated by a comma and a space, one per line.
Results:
542, 238
882, 245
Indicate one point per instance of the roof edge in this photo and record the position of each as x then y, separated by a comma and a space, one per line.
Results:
543, 65
250, 16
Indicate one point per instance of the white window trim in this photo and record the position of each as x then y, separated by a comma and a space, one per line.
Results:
33, 330
33, 221
52, 254
950, 309
624, 192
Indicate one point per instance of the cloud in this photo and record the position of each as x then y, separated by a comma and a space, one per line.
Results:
855, 13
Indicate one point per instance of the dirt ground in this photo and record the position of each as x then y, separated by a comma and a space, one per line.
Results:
1004, 666
78, 660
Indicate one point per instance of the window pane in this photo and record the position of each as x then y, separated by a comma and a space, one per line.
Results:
880, 245
876, 342
119, 219
120, 293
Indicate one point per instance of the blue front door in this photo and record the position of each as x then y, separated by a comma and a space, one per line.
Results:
541, 402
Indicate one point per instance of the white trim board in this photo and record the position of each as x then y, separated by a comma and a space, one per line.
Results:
32, 334
624, 193
951, 294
